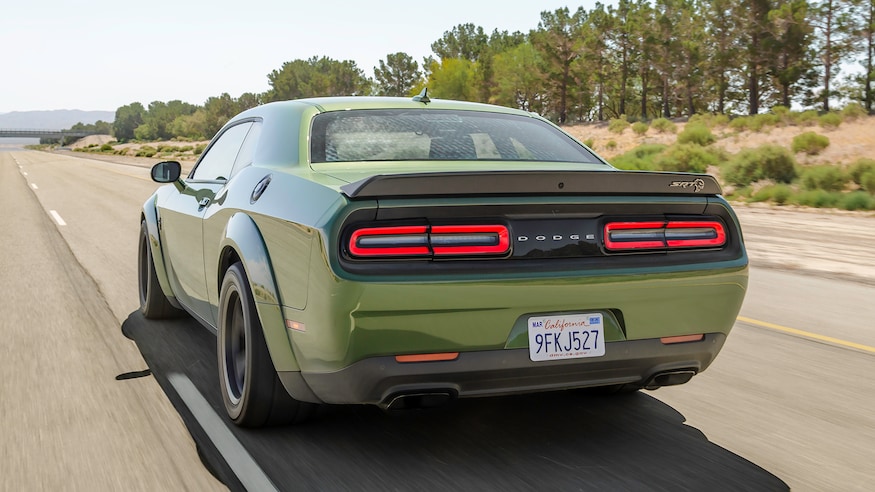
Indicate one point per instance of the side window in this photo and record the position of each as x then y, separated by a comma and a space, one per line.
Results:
247, 151
216, 164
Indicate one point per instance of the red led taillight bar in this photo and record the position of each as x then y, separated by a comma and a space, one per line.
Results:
430, 241
661, 235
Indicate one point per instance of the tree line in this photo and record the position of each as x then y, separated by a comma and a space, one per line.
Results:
640, 58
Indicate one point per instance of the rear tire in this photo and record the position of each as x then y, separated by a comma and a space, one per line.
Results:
251, 390
153, 303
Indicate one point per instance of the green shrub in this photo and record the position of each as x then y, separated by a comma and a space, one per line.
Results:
687, 158
761, 121
829, 178
710, 120
830, 120
867, 181
764, 162
778, 194
806, 118
146, 151
640, 158
781, 193
199, 149
720, 120
738, 193
185, 148
611, 145
857, 200
663, 125
853, 111
809, 142
617, 125
739, 124
860, 167
640, 128
588, 142
167, 148
106, 148
696, 133
782, 113
817, 198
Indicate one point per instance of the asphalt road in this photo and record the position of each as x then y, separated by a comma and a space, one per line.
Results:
787, 404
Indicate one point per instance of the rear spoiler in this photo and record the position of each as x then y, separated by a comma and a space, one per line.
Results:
531, 183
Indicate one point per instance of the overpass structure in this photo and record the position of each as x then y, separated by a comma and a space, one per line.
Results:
61, 135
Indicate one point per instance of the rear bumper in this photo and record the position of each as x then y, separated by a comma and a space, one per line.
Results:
378, 380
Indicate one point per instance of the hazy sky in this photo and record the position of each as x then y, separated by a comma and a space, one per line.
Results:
99, 54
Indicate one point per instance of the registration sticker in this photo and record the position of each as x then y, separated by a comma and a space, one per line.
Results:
566, 336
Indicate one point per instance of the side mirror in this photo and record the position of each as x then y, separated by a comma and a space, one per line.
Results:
166, 172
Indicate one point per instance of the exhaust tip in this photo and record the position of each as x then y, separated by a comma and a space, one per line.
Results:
669, 378
415, 401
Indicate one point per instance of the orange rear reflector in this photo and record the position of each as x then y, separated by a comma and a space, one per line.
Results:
682, 339
427, 357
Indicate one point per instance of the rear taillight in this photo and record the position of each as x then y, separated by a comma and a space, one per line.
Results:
429, 241
652, 235
390, 241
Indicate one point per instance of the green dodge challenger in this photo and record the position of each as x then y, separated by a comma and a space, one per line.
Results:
403, 252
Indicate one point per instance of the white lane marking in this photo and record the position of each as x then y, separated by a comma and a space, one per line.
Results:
244, 467
34, 186
57, 217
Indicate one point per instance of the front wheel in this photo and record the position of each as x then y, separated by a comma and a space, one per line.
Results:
251, 390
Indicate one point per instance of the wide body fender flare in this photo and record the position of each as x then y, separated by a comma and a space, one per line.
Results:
150, 216
243, 238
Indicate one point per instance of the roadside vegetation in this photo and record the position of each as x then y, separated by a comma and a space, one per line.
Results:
766, 173
700, 72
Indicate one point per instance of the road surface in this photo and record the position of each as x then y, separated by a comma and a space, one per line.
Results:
787, 404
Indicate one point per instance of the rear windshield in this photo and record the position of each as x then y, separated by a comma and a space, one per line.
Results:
428, 134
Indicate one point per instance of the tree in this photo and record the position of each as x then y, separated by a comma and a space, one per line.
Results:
791, 36
463, 41
596, 51
453, 78
317, 77
127, 119
869, 74
722, 48
518, 83
834, 20
557, 41
753, 16
397, 75
158, 120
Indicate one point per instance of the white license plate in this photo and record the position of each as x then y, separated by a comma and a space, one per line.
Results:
569, 336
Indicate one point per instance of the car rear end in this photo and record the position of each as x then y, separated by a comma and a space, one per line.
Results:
444, 284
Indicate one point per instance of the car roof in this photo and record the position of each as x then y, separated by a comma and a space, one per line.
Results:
344, 103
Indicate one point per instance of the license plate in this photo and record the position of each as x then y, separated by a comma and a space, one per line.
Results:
569, 336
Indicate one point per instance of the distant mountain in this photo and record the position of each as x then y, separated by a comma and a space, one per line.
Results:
59, 119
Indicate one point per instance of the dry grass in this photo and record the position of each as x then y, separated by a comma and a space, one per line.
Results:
848, 142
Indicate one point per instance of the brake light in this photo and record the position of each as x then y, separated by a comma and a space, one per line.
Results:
635, 235
679, 234
695, 234
430, 241
469, 240
390, 241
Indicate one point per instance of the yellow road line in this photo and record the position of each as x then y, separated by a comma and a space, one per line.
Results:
806, 334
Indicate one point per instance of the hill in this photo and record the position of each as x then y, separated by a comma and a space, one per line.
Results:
59, 119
